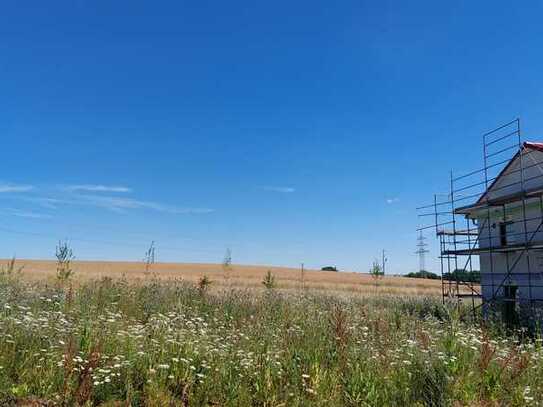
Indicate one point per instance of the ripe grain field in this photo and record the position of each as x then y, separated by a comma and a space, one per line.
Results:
239, 276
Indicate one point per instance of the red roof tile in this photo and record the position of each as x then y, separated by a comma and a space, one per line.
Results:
535, 146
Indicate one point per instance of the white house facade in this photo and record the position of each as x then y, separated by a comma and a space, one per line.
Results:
509, 220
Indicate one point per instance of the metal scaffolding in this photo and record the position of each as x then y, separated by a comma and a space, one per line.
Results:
467, 241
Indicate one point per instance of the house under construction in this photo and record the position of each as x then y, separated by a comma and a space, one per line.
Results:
492, 220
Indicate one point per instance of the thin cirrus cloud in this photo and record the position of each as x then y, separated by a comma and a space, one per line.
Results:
25, 214
115, 203
392, 200
98, 188
96, 195
120, 204
49, 203
284, 190
31, 215
7, 188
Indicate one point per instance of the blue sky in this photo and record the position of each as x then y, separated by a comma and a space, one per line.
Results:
288, 131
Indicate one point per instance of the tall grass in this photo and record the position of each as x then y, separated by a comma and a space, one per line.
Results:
115, 343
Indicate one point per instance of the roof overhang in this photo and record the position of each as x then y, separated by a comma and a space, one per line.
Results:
506, 199
483, 202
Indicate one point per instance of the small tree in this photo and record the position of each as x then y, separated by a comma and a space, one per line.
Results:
269, 280
376, 272
149, 258
65, 256
227, 265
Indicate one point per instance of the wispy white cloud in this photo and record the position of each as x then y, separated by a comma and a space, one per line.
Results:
25, 214
97, 188
278, 189
94, 195
392, 200
115, 203
33, 215
119, 204
49, 203
6, 188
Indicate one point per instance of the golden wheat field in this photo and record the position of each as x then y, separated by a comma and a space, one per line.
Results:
241, 276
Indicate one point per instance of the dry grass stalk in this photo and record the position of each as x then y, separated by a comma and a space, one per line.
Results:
84, 388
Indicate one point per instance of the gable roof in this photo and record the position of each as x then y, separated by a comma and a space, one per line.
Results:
525, 145
482, 201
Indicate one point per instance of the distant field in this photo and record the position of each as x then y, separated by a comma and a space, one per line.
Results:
241, 276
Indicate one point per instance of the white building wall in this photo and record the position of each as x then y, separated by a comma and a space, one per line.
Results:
526, 268
516, 223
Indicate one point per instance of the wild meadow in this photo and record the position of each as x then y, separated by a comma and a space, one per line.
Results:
112, 342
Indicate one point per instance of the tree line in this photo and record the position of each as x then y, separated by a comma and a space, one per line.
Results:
461, 275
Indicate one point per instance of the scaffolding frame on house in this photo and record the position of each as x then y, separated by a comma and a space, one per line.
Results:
461, 241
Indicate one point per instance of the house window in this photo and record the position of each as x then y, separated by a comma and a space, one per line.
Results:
510, 314
503, 234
